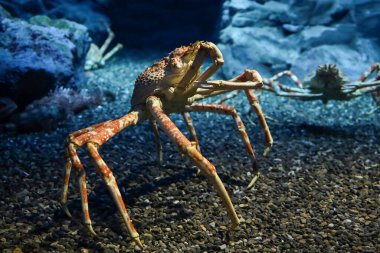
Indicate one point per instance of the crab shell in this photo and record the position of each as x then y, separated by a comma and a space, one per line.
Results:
327, 76
163, 76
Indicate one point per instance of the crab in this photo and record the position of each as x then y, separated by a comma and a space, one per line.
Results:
95, 57
171, 85
326, 83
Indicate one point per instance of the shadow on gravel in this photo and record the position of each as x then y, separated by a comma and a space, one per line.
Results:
317, 130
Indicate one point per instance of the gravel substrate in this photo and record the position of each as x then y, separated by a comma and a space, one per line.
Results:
319, 191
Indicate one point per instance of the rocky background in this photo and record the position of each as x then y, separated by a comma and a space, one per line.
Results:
48, 52
299, 35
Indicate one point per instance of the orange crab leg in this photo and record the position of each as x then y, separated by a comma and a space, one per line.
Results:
69, 164
189, 124
155, 107
110, 180
95, 137
71, 149
229, 110
260, 115
249, 75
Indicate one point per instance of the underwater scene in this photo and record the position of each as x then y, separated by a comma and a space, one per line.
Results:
189, 126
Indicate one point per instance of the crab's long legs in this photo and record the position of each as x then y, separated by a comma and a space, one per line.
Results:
185, 146
160, 155
69, 154
228, 96
252, 75
110, 180
225, 85
247, 75
374, 67
189, 124
284, 91
95, 137
260, 115
249, 79
273, 84
114, 50
288, 73
229, 110
107, 42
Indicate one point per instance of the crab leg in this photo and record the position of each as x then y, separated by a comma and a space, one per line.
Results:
284, 91
229, 110
217, 58
72, 153
279, 87
228, 97
252, 75
114, 50
288, 73
155, 107
153, 125
189, 124
374, 67
363, 90
260, 115
360, 87
226, 85
94, 139
69, 163
249, 79
110, 180
107, 42
247, 75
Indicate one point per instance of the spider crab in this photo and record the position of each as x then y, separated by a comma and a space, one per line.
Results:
95, 57
326, 83
171, 85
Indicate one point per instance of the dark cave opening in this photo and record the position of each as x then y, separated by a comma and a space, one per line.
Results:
164, 24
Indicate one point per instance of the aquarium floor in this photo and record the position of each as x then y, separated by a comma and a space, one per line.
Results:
319, 191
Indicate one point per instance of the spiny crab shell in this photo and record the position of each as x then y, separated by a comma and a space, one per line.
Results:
165, 74
327, 76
